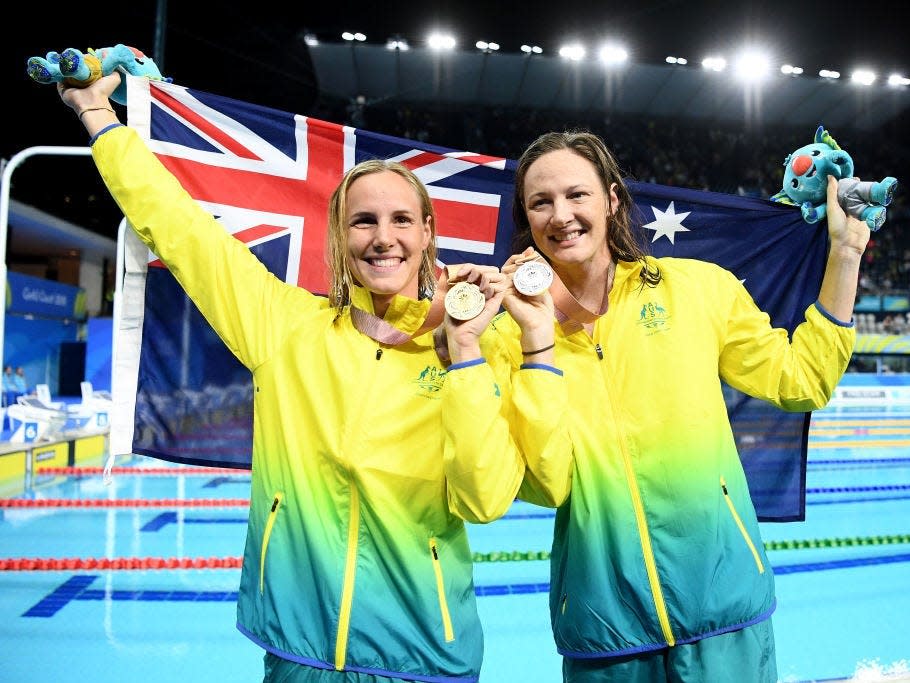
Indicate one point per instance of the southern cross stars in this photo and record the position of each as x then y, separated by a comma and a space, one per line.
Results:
666, 223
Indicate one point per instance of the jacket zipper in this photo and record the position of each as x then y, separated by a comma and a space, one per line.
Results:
644, 535
648, 552
347, 591
742, 527
273, 514
440, 589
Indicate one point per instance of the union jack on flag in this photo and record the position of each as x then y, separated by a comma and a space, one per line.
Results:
267, 176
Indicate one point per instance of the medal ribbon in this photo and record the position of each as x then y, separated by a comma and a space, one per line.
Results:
570, 314
385, 333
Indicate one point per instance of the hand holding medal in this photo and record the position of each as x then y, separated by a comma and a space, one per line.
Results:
464, 301
473, 298
530, 303
533, 275
470, 287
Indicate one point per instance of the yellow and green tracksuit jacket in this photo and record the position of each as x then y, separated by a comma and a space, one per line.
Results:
656, 541
356, 555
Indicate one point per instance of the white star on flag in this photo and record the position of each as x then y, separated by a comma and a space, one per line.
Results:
666, 223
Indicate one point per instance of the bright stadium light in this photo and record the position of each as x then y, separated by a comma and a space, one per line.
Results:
531, 49
791, 70
441, 41
613, 54
863, 77
827, 73
676, 60
347, 35
485, 46
752, 65
397, 44
714, 63
896, 80
574, 52
311, 39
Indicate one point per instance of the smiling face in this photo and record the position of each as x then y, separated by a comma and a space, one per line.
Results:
387, 234
568, 210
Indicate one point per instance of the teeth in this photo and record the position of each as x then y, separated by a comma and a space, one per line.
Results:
384, 263
567, 236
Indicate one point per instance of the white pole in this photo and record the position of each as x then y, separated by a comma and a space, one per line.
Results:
8, 169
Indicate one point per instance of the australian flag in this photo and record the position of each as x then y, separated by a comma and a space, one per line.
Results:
267, 176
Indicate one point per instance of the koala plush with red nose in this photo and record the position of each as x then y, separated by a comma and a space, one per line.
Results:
805, 183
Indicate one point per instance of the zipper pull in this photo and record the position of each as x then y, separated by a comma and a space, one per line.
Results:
600, 351
378, 354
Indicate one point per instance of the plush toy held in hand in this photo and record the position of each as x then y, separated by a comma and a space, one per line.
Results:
81, 69
806, 183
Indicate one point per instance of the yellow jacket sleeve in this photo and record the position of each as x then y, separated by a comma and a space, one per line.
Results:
229, 285
482, 464
761, 361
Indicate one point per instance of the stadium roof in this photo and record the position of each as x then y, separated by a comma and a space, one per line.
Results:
479, 78
257, 52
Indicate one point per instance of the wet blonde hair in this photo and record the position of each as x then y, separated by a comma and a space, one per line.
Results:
341, 277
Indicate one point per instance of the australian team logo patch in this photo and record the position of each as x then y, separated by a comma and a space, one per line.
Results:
653, 318
430, 380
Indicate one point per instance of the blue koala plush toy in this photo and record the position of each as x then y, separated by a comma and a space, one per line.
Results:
81, 69
806, 183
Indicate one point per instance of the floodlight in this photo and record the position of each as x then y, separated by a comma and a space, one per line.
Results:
574, 52
441, 41
863, 77
898, 80
613, 54
827, 73
751, 65
397, 44
714, 63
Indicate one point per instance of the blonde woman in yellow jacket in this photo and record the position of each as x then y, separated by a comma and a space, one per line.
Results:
658, 570
357, 565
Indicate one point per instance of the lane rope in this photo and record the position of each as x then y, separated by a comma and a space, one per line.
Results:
143, 563
125, 503
141, 471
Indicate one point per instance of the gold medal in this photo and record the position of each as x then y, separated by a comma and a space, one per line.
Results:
464, 301
532, 277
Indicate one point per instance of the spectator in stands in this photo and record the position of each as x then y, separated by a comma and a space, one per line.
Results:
9, 379
10, 391
19, 381
350, 477
658, 570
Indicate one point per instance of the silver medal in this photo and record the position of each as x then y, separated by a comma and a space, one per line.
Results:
464, 301
532, 278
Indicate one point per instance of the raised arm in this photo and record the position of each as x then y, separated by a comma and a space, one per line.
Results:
848, 237
229, 285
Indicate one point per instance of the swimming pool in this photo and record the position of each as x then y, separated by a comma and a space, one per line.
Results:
843, 575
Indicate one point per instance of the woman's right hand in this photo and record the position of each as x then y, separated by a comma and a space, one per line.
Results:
535, 315
463, 336
93, 102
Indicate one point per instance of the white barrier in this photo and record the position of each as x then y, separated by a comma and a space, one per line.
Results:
859, 389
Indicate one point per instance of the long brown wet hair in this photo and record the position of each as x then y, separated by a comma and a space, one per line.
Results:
341, 277
624, 241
